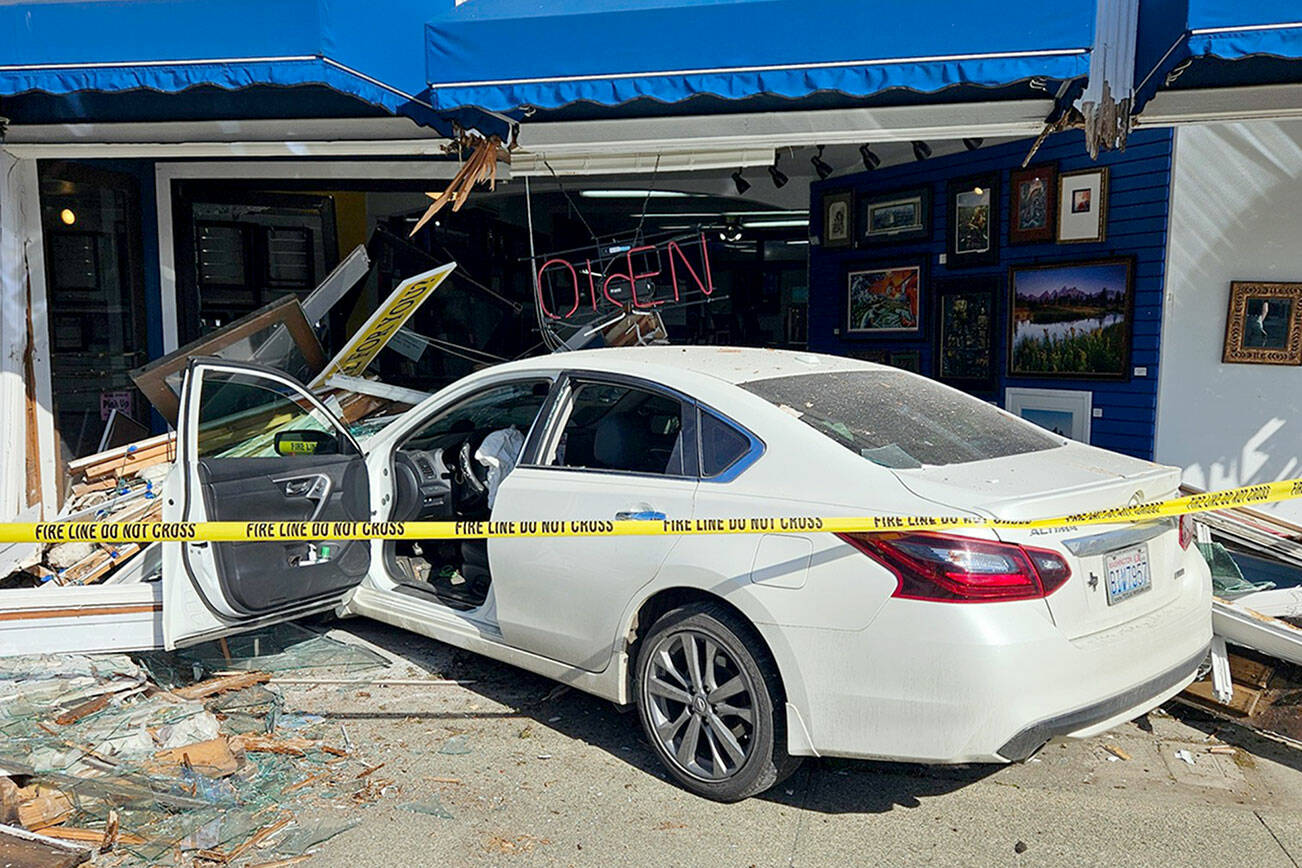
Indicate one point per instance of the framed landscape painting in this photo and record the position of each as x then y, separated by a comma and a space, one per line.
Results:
1264, 324
895, 217
1065, 412
973, 225
1071, 319
883, 299
1034, 200
965, 332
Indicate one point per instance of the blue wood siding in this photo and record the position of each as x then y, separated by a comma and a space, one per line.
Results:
1138, 196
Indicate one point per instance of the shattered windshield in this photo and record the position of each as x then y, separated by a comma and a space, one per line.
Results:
899, 420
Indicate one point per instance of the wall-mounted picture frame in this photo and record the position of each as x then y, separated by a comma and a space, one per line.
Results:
972, 227
1065, 412
907, 360
893, 218
1264, 324
1033, 204
838, 219
1071, 319
1083, 206
966, 322
884, 299
877, 357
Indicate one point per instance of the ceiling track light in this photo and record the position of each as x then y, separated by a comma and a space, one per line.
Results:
779, 177
870, 160
823, 169
740, 183
921, 150
972, 144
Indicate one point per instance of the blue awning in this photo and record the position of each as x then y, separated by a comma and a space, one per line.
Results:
369, 51
1216, 43
502, 55
1234, 29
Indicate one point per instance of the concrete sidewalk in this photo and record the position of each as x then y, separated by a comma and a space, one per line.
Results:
566, 779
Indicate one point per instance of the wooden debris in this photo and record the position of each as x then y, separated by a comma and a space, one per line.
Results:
1116, 751
294, 746
307, 781
23, 849
283, 863
112, 832
10, 797
212, 758
41, 807
260, 836
89, 836
76, 713
221, 684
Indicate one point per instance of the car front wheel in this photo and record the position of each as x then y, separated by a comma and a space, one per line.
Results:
711, 703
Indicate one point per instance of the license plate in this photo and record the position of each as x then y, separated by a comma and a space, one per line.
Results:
1127, 574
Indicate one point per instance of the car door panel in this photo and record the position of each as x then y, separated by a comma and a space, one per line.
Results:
278, 489
562, 597
231, 467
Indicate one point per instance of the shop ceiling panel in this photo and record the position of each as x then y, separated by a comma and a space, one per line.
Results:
505, 54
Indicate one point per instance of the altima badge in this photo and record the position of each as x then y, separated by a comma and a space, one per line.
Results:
1093, 582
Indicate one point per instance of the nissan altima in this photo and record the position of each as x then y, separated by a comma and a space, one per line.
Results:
742, 653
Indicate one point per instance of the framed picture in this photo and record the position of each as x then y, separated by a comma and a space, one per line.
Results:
1071, 319
1264, 324
1065, 412
965, 332
907, 360
883, 299
1032, 208
973, 225
838, 229
878, 357
892, 218
1082, 206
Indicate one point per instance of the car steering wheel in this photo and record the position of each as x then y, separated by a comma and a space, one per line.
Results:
475, 474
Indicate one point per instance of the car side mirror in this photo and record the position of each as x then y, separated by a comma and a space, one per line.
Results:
306, 442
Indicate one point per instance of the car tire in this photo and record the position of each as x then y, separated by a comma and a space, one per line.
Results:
719, 724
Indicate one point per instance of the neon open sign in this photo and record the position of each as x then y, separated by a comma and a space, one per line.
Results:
627, 271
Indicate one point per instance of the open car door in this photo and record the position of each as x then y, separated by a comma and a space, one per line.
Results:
255, 445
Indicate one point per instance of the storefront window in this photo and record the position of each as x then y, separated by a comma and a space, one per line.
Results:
95, 302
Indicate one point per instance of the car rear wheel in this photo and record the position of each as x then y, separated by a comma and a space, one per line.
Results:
711, 703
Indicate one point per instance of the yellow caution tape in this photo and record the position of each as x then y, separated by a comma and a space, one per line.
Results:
307, 531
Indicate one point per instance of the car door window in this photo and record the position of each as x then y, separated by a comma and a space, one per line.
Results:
622, 428
250, 416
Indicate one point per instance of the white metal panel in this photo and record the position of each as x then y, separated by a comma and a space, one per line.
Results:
84, 620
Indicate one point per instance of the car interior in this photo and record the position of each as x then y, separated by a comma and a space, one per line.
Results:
439, 476
440, 471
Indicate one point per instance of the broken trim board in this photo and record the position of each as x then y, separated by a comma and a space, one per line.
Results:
24, 849
89, 619
1275, 603
382, 325
1242, 626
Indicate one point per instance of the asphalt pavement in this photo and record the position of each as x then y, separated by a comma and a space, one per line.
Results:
508, 768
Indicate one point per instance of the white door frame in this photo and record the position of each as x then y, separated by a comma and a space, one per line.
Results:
23, 306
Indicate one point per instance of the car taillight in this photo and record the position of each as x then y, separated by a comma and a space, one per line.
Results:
957, 569
1187, 530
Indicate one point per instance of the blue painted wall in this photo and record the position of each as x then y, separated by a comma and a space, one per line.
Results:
1138, 197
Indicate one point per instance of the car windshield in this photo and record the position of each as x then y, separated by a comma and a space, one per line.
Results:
901, 420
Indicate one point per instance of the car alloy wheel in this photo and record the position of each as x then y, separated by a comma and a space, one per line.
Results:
701, 704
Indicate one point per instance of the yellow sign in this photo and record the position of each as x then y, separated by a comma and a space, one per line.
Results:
363, 346
269, 531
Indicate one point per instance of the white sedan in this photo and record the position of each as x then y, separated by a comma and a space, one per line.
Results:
742, 653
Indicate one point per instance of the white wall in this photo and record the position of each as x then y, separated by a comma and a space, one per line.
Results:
1236, 214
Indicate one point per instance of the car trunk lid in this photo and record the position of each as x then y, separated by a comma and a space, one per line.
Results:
1067, 480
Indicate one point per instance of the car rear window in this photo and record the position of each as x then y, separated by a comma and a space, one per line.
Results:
901, 420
